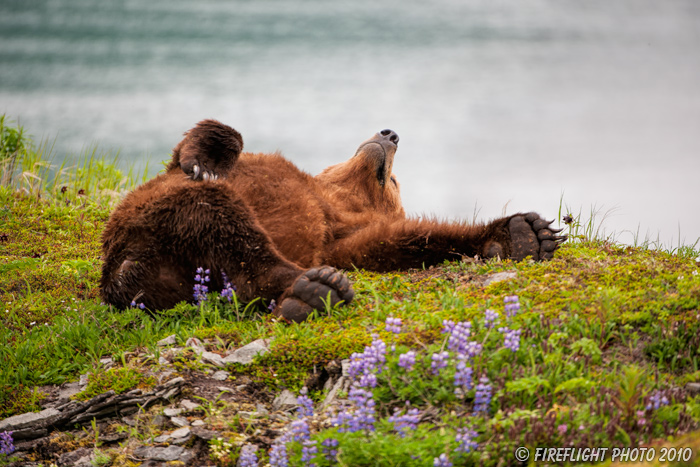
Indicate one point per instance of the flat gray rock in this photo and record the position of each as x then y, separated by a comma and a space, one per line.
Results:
181, 433
170, 340
500, 277
161, 439
17, 422
247, 353
213, 359
69, 389
189, 405
285, 400
179, 421
170, 453
693, 388
221, 375
170, 412
196, 345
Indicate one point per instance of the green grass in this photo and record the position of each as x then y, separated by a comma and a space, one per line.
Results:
603, 326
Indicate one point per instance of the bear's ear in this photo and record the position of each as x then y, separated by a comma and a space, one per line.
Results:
208, 151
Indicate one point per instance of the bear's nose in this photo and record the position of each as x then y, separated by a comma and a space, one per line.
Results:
390, 135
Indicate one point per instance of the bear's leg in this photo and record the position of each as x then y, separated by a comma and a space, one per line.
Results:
410, 243
154, 257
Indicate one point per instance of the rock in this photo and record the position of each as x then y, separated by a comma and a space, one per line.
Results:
345, 365
221, 375
179, 421
107, 362
286, 400
186, 456
163, 361
17, 422
180, 441
168, 454
159, 420
161, 439
170, 412
332, 395
189, 405
213, 359
181, 433
223, 389
196, 423
245, 354
170, 340
206, 435
74, 457
84, 379
69, 389
261, 410
196, 345
693, 388
499, 277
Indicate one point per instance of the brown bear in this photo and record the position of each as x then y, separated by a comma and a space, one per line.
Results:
278, 233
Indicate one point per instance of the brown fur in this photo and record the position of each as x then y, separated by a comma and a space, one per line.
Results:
264, 222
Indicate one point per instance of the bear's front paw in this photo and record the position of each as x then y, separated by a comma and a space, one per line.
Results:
309, 291
196, 171
530, 235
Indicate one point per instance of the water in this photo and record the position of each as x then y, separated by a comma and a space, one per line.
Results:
499, 105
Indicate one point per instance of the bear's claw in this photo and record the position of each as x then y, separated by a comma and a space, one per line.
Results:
311, 289
531, 235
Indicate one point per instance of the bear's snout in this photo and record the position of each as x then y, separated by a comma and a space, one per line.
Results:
390, 135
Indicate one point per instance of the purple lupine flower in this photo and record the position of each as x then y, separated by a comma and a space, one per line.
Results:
368, 380
473, 349
407, 360
271, 307
463, 375
299, 430
308, 452
465, 440
490, 318
361, 415
458, 341
511, 338
512, 305
228, 290
133, 304
201, 290
142, 306
482, 399
248, 458
439, 361
562, 429
7, 445
370, 361
656, 400
405, 422
278, 455
393, 325
306, 405
447, 326
442, 461
329, 449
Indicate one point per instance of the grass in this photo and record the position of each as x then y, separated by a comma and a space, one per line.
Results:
604, 328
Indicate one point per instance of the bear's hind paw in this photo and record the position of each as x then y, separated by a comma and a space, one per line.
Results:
530, 235
311, 290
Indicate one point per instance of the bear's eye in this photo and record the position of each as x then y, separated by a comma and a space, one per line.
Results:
393, 180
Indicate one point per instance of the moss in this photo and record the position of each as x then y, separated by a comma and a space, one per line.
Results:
118, 380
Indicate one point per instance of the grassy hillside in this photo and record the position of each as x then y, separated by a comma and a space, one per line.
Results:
594, 348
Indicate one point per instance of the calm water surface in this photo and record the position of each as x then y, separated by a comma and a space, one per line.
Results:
502, 105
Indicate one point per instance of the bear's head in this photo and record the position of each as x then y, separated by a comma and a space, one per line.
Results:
208, 151
368, 174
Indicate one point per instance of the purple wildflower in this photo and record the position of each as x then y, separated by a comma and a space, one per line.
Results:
201, 290
407, 360
442, 461
641, 421
490, 318
512, 305
393, 325
439, 361
228, 290
248, 458
447, 326
458, 341
329, 449
482, 399
308, 452
361, 416
306, 405
656, 400
465, 441
463, 375
278, 455
142, 306
370, 361
511, 338
6, 443
271, 307
562, 429
404, 422
133, 304
299, 430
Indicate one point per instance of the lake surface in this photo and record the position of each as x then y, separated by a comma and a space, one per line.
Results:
499, 105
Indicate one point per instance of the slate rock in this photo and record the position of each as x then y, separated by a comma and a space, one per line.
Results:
17, 422
500, 277
179, 421
286, 400
221, 375
181, 432
213, 359
170, 340
73, 457
170, 453
245, 354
